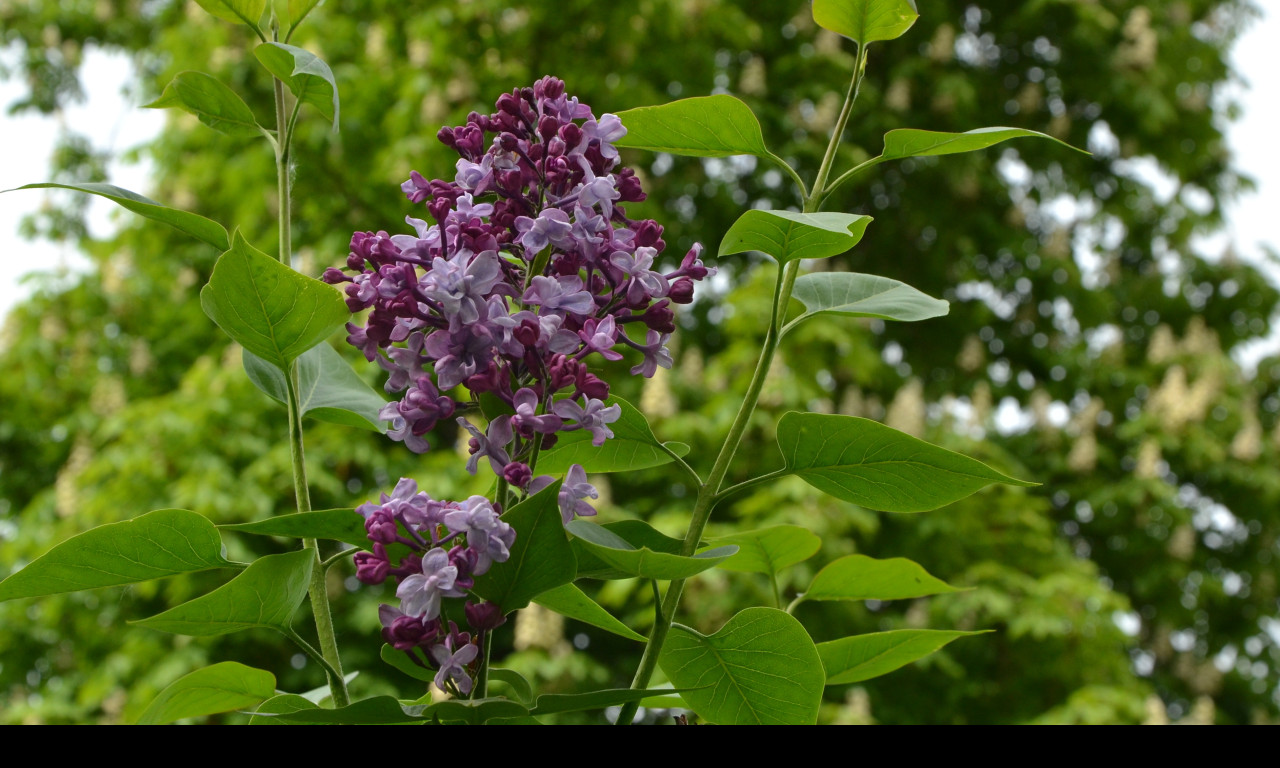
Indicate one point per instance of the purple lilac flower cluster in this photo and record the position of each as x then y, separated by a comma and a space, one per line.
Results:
448, 544
528, 267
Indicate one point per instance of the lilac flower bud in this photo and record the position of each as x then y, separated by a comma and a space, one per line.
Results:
484, 616
404, 633
382, 527
681, 291
373, 567
517, 474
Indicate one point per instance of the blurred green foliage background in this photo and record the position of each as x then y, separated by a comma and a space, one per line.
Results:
1137, 583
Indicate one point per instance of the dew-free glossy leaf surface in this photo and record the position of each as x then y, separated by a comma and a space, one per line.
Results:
401, 661
306, 75
569, 601
266, 594
161, 543
516, 682
704, 126
387, 710
236, 11
216, 105
760, 668
552, 703
298, 10
205, 230
271, 310
332, 524
858, 577
866, 21
541, 558
866, 463
329, 389
223, 687
281, 704
787, 235
633, 446
910, 142
637, 559
769, 550
858, 295
862, 657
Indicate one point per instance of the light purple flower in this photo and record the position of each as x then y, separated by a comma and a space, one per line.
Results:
655, 354
487, 535
552, 227
573, 492
527, 419
420, 593
594, 417
493, 445
600, 336
453, 664
559, 294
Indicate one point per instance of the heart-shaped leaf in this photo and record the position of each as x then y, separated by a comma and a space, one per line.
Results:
266, 594
704, 126
215, 104
151, 546
910, 142
306, 75
862, 657
850, 293
205, 230
858, 577
332, 524
223, 687
271, 310
787, 235
635, 559
569, 601
632, 447
866, 463
541, 559
760, 668
329, 389
866, 21
769, 550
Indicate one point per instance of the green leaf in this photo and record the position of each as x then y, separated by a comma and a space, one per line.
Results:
636, 559
266, 594
329, 389
271, 310
205, 230
515, 681
276, 705
401, 661
706, 126
236, 11
541, 558
333, 524
572, 602
306, 74
858, 577
298, 10
633, 446
850, 293
215, 104
760, 668
866, 21
386, 710
787, 236
222, 687
151, 546
909, 142
554, 703
874, 466
769, 550
862, 657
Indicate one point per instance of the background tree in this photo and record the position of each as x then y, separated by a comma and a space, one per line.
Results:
1079, 302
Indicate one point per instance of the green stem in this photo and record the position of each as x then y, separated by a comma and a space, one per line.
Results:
481, 688
709, 492
316, 656
317, 590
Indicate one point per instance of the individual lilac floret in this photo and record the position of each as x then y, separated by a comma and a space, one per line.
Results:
488, 536
453, 664
420, 594
491, 445
595, 417
573, 492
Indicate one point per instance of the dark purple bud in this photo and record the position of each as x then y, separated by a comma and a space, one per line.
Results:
648, 234
556, 147
381, 527
509, 141
372, 567
571, 134
333, 276
484, 616
681, 291
509, 103
447, 137
692, 264
629, 186
660, 318
518, 474
591, 386
547, 127
549, 441
548, 88
408, 632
